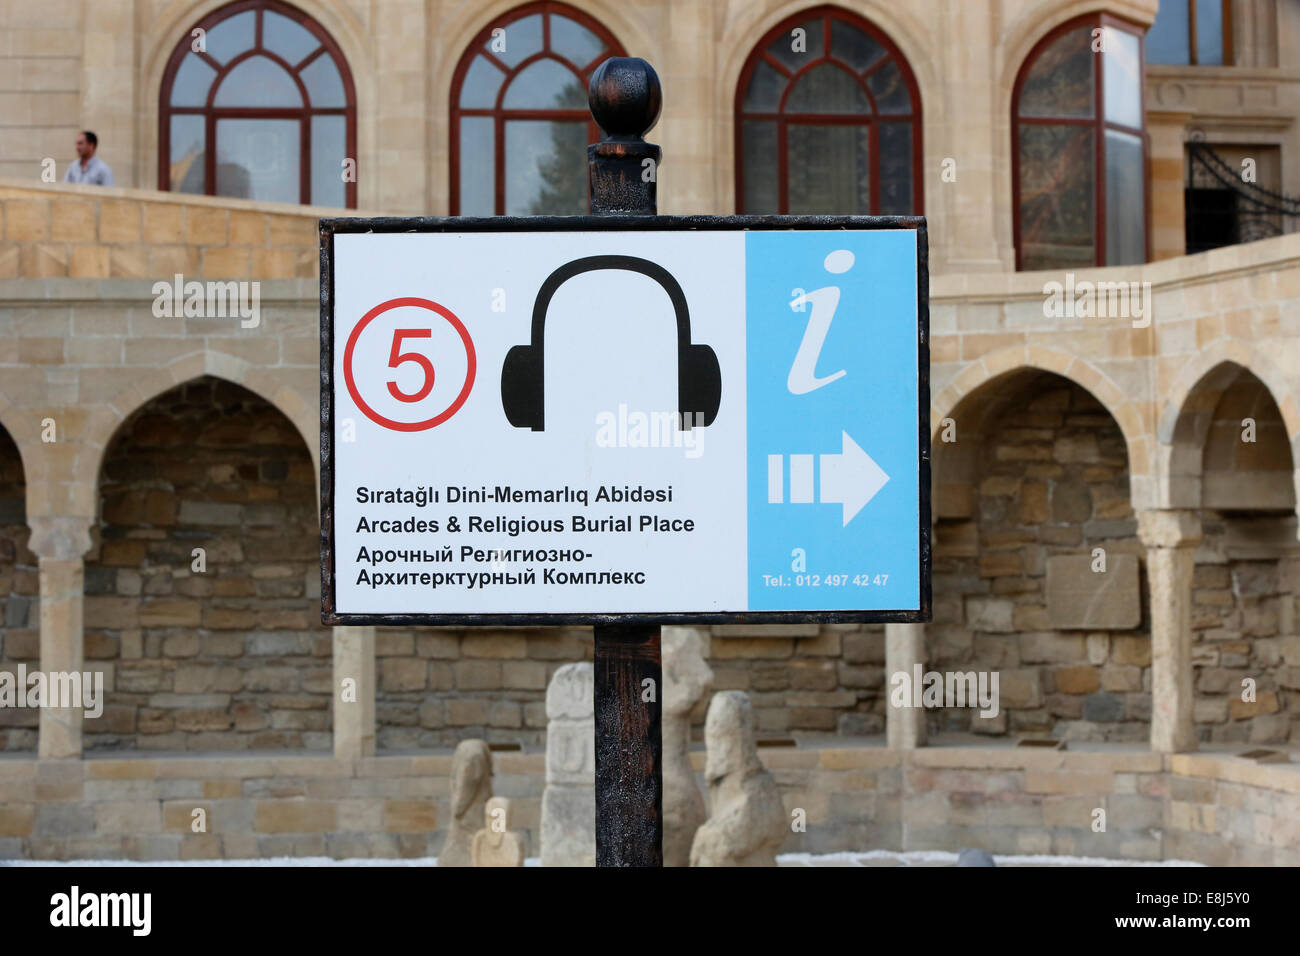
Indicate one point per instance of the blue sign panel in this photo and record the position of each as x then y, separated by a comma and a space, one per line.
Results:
833, 396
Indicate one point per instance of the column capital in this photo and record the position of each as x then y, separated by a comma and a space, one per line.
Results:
59, 537
1169, 529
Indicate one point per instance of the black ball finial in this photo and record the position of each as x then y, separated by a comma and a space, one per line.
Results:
625, 97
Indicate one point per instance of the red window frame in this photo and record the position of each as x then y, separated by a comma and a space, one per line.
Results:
498, 113
1099, 125
872, 120
211, 113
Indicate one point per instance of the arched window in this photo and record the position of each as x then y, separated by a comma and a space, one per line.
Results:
828, 120
258, 103
1079, 148
520, 123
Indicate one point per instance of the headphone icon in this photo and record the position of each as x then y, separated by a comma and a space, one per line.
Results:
699, 378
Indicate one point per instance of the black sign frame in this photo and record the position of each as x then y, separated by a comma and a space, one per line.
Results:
331, 227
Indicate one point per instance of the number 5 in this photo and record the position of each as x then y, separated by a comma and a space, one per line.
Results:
396, 358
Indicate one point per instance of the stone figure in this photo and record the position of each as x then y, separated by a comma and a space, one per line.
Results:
747, 821
568, 830
687, 678
969, 857
471, 785
496, 844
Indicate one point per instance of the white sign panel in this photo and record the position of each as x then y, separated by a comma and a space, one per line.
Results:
564, 423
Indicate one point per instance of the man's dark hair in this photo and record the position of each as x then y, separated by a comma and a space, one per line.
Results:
91, 138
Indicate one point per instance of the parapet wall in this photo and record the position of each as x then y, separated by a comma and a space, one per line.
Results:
1216, 809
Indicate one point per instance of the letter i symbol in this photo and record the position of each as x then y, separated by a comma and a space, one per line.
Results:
803, 373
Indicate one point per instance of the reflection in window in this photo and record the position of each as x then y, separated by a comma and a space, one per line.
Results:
1080, 149
519, 118
1191, 33
828, 120
265, 111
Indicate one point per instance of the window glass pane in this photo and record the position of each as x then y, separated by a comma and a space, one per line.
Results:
896, 169
797, 49
890, 90
258, 81
761, 196
1060, 81
521, 39
324, 85
187, 154
482, 82
1209, 32
285, 38
1056, 196
546, 85
477, 166
574, 41
1122, 97
192, 82
829, 169
546, 168
1125, 200
232, 36
328, 150
258, 159
765, 88
827, 89
853, 46
1169, 38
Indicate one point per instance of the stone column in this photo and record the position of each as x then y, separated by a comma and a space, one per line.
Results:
60, 543
1167, 130
687, 133
904, 648
354, 702
1171, 538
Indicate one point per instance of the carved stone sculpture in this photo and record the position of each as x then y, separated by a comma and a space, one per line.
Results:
568, 831
747, 821
471, 785
687, 679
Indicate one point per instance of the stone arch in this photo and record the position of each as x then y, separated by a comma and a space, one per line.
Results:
1247, 563
202, 581
1075, 368
108, 418
1185, 416
750, 24
167, 28
19, 592
1037, 481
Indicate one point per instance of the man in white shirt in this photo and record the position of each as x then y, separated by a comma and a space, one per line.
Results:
89, 168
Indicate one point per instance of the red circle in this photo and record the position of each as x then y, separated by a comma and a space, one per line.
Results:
438, 419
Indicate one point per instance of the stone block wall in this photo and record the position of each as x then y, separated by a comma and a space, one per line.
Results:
436, 686
1244, 614
830, 680
1049, 478
96, 233
233, 655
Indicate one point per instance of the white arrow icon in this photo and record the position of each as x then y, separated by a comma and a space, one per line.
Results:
850, 478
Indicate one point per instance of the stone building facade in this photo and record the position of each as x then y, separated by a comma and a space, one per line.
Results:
131, 440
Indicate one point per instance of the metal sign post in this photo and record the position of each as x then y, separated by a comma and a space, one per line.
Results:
623, 170
759, 451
